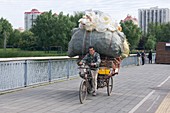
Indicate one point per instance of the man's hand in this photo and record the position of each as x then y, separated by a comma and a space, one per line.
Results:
80, 63
93, 64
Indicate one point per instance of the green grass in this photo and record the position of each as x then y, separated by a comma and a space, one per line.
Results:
20, 53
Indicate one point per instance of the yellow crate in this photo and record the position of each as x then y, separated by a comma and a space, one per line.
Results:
104, 71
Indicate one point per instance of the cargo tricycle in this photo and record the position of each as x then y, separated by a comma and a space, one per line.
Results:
109, 67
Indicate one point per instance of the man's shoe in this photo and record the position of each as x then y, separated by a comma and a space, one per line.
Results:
94, 93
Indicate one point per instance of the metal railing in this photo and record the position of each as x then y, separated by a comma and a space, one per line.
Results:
22, 72
132, 60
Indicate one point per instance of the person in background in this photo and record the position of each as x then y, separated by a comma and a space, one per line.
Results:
143, 57
150, 57
138, 58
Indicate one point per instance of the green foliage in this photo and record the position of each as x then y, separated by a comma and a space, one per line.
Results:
27, 41
0, 28
160, 31
164, 34
133, 33
142, 42
75, 18
157, 33
150, 44
14, 38
63, 30
52, 30
43, 29
5, 31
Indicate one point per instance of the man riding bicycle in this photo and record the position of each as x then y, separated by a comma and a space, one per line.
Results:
92, 58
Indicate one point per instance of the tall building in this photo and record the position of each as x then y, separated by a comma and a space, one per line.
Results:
30, 18
152, 15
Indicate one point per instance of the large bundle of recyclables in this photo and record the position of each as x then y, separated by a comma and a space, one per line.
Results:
98, 30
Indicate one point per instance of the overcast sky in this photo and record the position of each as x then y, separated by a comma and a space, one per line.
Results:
13, 10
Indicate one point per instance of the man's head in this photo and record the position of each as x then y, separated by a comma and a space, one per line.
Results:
91, 50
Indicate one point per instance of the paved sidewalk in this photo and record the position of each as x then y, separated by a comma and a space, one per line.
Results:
165, 105
132, 86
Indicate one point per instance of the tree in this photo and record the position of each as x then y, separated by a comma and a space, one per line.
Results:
14, 38
44, 30
151, 42
5, 31
0, 28
155, 29
160, 31
63, 30
27, 41
142, 41
133, 33
165, 34
75, 18
52, 30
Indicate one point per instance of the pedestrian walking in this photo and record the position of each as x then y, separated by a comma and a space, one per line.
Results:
138, 58
143, 57
150, 57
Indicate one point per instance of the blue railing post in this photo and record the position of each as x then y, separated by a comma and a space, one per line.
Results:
68, 69
49, 70
25, 73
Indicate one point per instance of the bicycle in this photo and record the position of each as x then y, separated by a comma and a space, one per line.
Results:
86, 83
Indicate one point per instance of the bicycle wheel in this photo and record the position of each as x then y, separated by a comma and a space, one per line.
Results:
82, 91
109, 85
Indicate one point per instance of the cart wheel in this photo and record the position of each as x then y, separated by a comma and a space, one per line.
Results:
109, 85
82, 91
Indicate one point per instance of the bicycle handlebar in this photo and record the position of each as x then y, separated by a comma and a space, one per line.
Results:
84, 67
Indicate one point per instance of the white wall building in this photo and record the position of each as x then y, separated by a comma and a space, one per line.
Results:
30, 18
154, 14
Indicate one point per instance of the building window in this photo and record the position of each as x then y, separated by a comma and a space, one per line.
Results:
148, 16
156, 16
160, 16
152, 15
